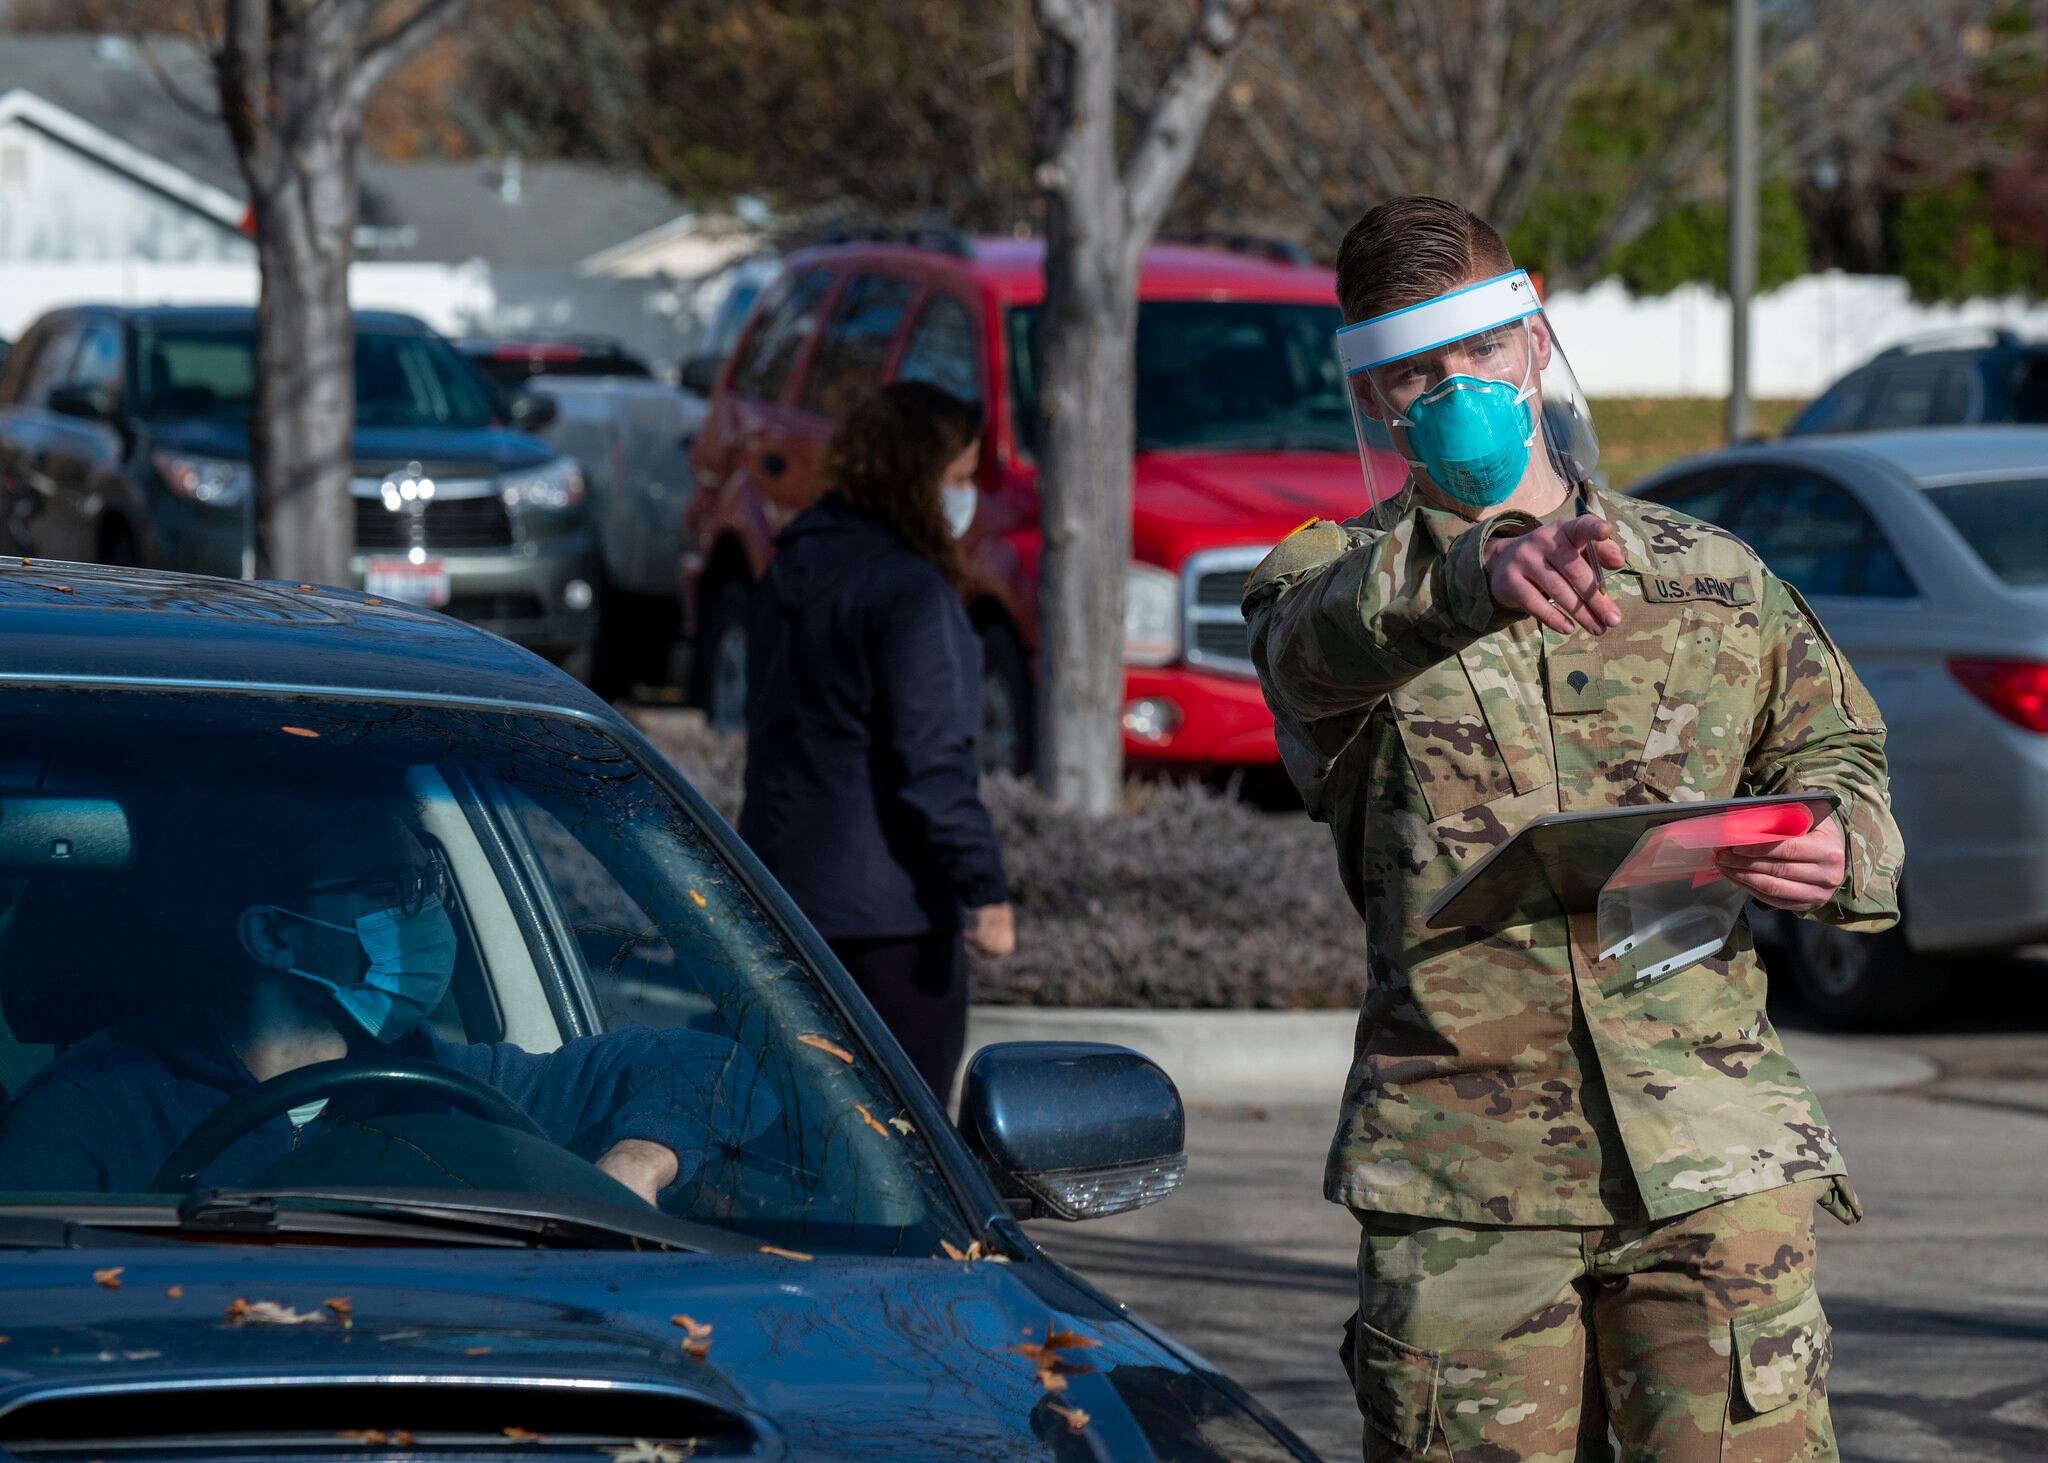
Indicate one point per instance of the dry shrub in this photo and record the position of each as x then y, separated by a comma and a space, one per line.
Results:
1192, 899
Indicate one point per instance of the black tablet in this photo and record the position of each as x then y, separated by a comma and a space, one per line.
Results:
1557, 863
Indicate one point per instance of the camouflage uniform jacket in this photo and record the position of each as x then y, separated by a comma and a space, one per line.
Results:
1504, 1075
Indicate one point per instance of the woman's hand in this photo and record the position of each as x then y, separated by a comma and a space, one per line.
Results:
1794, 873
992, 930
642, 1166
1552, 573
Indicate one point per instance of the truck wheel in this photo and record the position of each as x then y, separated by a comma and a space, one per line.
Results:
1864, 982
1004, 743
719, 668
631, 644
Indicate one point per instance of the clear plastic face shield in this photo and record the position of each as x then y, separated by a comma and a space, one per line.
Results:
1473, 393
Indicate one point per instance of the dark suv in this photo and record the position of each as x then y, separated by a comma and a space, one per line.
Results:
1944, 380
124, 439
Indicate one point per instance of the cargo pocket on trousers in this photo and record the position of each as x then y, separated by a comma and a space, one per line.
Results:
1781, 1367
1396, 1385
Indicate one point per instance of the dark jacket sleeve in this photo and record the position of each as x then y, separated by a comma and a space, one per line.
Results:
685, 1090
60, 1136
928, 678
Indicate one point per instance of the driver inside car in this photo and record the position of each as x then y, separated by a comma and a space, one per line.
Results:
347, 956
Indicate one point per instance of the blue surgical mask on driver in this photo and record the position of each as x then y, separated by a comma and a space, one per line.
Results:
1472, 437
411, 960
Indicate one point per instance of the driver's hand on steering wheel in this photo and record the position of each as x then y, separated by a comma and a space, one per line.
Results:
642, 1166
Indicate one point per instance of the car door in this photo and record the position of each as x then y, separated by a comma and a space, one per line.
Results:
25, 433
87, 513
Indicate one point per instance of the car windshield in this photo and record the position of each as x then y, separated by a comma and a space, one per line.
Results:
2005, 521
201, 888
1217, 376
402, 378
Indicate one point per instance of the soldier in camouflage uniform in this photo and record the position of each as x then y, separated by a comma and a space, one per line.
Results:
1586, 1203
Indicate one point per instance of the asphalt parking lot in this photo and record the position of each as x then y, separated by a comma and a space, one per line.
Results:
1939, 1299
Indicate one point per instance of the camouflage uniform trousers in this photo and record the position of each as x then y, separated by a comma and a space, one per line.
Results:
1691, 1339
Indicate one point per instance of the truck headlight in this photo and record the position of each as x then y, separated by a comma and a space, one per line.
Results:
550, 487
1151, 616
218, 482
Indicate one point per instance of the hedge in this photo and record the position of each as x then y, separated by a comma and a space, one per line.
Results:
1193, 899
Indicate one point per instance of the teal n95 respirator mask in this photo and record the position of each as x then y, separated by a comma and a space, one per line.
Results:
1471, 390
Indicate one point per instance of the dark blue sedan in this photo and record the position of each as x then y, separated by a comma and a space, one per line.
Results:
398, 1059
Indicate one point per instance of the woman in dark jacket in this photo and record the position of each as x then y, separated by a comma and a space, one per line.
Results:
863, 699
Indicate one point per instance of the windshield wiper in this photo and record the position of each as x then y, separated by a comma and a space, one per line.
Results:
476, 1217
40, 1231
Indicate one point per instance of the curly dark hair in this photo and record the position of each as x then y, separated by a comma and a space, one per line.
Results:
887, 456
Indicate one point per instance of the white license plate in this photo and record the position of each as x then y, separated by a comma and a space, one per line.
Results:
424, 583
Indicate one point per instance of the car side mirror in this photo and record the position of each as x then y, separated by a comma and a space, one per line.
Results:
700, 373
532, 410
1074, 1130
92, 403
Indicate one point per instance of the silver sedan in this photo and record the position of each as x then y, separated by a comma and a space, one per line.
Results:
1925, 554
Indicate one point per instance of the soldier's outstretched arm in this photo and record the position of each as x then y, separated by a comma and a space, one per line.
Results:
1817, 727
1341, 616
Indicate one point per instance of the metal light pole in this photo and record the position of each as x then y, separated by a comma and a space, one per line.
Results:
1742, 191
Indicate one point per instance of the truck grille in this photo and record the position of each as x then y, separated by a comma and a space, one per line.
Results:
1212, 587
445, 523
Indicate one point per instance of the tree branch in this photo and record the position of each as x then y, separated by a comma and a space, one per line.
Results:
386, 53
1173, 129
241, 67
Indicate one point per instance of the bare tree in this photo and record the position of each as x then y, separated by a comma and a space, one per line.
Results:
295, 78
1099, 217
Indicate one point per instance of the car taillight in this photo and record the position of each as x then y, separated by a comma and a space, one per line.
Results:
2016, 689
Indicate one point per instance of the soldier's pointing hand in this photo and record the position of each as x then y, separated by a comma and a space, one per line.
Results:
1553, 573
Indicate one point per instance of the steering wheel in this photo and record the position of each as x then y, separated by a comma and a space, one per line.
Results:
247, 1111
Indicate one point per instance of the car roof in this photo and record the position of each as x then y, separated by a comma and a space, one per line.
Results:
383, 320
97, 624
1015, 270
1927, 456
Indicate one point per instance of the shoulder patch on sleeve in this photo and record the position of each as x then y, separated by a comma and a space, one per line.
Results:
1316, 542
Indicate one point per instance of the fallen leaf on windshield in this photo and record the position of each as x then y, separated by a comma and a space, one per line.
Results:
645, 1450
702, 902
780, 1252
1053, 1368
826, 1046
954, 1252
62, 588
110, 1277
697, 1337
300, 731
175, 1292
340, 1305
901, 1125
1076, 1418
869, 1118
522, 1435
364, 1435
268, 1313
476, 1351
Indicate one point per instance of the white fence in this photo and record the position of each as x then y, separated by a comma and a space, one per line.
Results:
656, 317
1804, 335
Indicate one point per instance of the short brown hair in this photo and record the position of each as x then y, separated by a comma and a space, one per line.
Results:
1411, 249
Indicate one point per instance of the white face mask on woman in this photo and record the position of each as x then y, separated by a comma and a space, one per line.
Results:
958, 504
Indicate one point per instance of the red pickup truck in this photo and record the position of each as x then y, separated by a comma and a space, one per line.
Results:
1242, 427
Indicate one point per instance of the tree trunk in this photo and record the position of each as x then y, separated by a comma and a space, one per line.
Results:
1088, 328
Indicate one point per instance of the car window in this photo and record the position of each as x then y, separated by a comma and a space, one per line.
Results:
1218, 376
51, 365
2005, 523
777, 339
943, 349
513, 898
1838, 408
2030, 391
1815, 535
194, 369
856, 342
1924, 396
98, 362
405, 379
1708, 495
